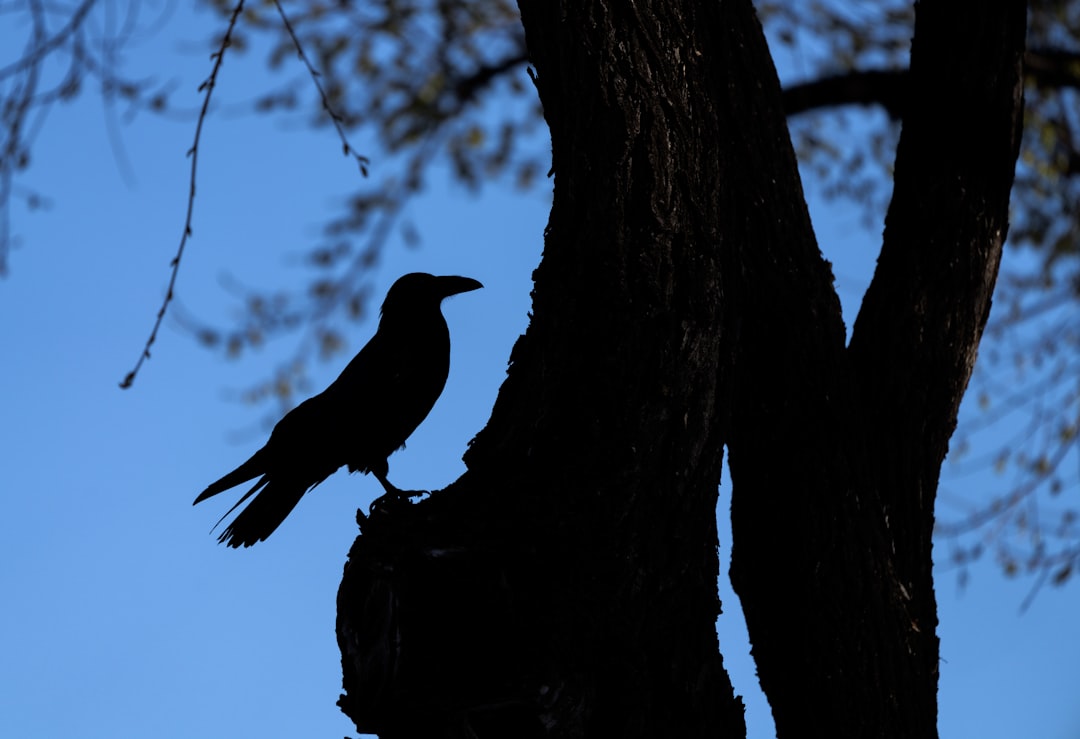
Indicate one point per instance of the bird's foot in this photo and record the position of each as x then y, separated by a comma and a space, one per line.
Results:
394, 500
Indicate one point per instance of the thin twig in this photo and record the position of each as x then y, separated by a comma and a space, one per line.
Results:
207, 86
336, 117
18, 105
1007, 503
42, 49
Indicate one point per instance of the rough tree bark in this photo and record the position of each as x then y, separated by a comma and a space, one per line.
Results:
839, 601
566, 584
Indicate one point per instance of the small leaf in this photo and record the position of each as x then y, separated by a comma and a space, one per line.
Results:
234, 346
1062, 575
330, 342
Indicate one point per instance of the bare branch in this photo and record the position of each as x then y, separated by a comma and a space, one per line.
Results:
1051, 68
1013, 498
347, 148
885, 87
208, 87
467, 88
43, 48
13, 155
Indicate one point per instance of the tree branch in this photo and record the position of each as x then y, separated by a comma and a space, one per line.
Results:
885, 87
335, 117
467, 88
915, 340
46, 45
207, 86
1049, 67
889, 88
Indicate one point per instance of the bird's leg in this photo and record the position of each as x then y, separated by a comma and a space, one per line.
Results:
389, 487
394, 495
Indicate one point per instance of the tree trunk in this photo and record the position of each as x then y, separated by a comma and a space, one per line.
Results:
839, 599
565, 586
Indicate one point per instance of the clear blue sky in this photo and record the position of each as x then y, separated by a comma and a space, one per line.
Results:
122, 616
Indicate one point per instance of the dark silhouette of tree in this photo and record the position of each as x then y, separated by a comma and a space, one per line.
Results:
439, 82
565, 585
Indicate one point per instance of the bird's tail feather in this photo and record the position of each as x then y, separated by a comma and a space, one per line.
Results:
261, 483
264, 514
249, 470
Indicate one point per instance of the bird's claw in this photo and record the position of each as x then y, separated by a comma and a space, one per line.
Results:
394, 500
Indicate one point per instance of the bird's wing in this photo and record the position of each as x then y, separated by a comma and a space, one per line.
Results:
297, 438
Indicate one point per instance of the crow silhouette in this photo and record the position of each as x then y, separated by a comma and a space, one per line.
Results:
365, 415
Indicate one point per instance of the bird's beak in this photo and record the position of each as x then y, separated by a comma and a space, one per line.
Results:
452, 285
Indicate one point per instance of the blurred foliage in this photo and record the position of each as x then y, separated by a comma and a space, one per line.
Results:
432, 86
436, 86
1027, 381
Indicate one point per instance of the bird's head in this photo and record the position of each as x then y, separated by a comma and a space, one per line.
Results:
419, 291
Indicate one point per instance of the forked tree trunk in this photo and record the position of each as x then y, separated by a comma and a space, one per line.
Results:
565, 586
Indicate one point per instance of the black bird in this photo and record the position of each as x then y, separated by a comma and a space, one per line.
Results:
366, 414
